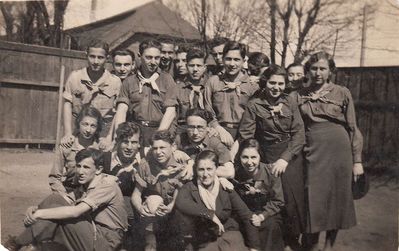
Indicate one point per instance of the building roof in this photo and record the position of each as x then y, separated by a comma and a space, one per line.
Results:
151, 18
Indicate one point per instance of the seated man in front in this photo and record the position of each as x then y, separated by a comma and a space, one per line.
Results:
159, 177
96, 220
197, 139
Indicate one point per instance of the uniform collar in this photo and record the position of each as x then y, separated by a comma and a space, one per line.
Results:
188, 84
115, 161
242, 77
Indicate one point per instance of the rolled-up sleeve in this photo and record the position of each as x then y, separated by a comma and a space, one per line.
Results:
170, 99
101, 195
67, 94
124, 92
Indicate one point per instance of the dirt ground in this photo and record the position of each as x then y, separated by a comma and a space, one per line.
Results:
23, 182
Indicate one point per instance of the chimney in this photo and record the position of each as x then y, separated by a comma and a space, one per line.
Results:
93, 11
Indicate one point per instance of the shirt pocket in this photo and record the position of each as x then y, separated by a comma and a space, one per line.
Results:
285, 118
333, 110
135, 96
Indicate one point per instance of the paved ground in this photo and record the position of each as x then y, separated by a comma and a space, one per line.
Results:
23, 183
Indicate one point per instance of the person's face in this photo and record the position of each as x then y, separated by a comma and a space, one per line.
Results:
87, 127
150, 59
295, 73
162, 151
319, 72
275, 86
181, 63
217, 53
129, 147
250, 159
196, 129
233, 62
123, 65
196, 68
167, 53
206, 172
96, 58
86, 170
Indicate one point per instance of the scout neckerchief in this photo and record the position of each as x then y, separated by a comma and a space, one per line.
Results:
196, 89
148, 81
321, 96
232, 86
116, 165
209, 197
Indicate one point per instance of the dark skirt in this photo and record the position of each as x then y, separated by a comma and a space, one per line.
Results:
328, 157
292, 181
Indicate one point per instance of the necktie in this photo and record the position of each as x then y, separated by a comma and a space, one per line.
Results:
233, 86
196, 90
148, 81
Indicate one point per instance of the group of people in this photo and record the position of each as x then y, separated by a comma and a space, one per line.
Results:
168, 153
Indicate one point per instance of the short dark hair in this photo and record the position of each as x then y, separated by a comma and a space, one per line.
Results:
195, 53
126, 130
167, 41
202, 113
150, 43
182, 48
320, 55
270, 71
217, 41
247, 143
258, 59
89, 111
95, 43
164, 135
205, 154
95, 154
233, 45
125, 52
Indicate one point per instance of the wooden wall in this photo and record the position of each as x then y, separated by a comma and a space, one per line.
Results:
29, 84
376, 94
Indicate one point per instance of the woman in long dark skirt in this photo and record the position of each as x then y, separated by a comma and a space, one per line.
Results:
273, 118
332, 151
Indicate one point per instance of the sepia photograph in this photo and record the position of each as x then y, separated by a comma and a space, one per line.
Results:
199, 125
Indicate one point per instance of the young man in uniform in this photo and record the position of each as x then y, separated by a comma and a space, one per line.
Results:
123, 63
167, 56
216, 47
92, 85
149, 95
197, 139
226, 95
180, 64
159, 177
95, 220
190, 93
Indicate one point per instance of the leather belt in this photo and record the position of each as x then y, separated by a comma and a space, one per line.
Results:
230, 125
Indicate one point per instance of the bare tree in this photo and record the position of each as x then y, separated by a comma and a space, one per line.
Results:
34, 22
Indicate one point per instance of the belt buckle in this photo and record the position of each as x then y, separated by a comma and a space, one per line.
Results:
145, 123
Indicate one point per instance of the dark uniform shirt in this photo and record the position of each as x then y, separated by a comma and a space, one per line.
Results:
333, 103
187, 98
227, 105
149, 105
273, 124
209, 143
164, 186
268, 198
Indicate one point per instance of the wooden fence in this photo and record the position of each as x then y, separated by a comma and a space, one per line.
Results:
30, 80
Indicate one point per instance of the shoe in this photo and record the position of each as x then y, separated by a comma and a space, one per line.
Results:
11, 244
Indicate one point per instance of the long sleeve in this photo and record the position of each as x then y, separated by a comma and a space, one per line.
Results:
208, 98
241, 209
354, 132
297, 133
186, 204
276, 203
56, 174
247, 127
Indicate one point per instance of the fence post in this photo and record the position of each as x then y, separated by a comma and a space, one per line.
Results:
59, 109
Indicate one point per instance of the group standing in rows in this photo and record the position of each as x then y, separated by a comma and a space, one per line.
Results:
165, 152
